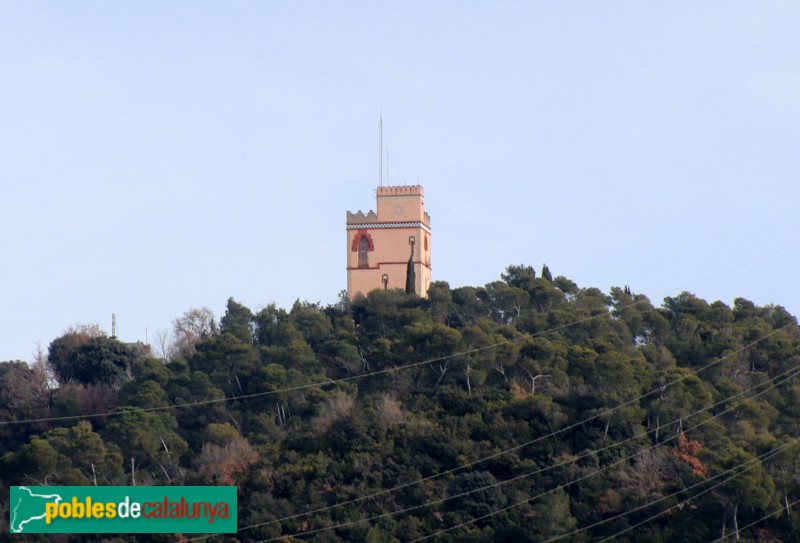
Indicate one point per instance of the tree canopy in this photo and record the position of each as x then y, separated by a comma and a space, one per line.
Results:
522, 410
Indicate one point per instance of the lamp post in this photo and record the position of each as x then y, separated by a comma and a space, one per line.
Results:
385, 279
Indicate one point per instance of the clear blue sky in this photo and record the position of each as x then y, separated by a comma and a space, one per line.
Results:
158, 156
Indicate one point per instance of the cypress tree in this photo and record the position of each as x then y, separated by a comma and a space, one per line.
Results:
411, 277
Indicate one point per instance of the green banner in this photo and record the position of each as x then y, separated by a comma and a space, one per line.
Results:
122, 509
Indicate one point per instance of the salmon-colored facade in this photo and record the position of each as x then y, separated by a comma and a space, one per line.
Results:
379, 244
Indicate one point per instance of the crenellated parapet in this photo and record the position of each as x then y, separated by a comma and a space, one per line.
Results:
362, 218
401, 190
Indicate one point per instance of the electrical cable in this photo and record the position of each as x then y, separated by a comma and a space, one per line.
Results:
786, 508
753, 463
327, 382
378, 372
390, 370
519, 446
761, 458
591, 474
783, 378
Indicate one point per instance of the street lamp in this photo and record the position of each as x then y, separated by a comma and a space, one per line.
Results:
385, 279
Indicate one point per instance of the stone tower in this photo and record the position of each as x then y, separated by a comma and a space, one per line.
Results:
380, 244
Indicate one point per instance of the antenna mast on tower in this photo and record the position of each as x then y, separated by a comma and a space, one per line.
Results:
380, 155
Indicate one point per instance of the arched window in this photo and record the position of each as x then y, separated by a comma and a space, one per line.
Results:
363, 252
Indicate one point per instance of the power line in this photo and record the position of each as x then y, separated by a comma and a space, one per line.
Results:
746, 263
379, 372
397, 369
548, 468
753, 463
462, 353
591, 474
761, 458
516, 447
270, 392
327, 382
786, 508
387, 491
785, 376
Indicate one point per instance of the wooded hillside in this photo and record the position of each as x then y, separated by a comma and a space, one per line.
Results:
520, 411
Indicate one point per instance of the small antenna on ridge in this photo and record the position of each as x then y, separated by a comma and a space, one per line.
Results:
113, 326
